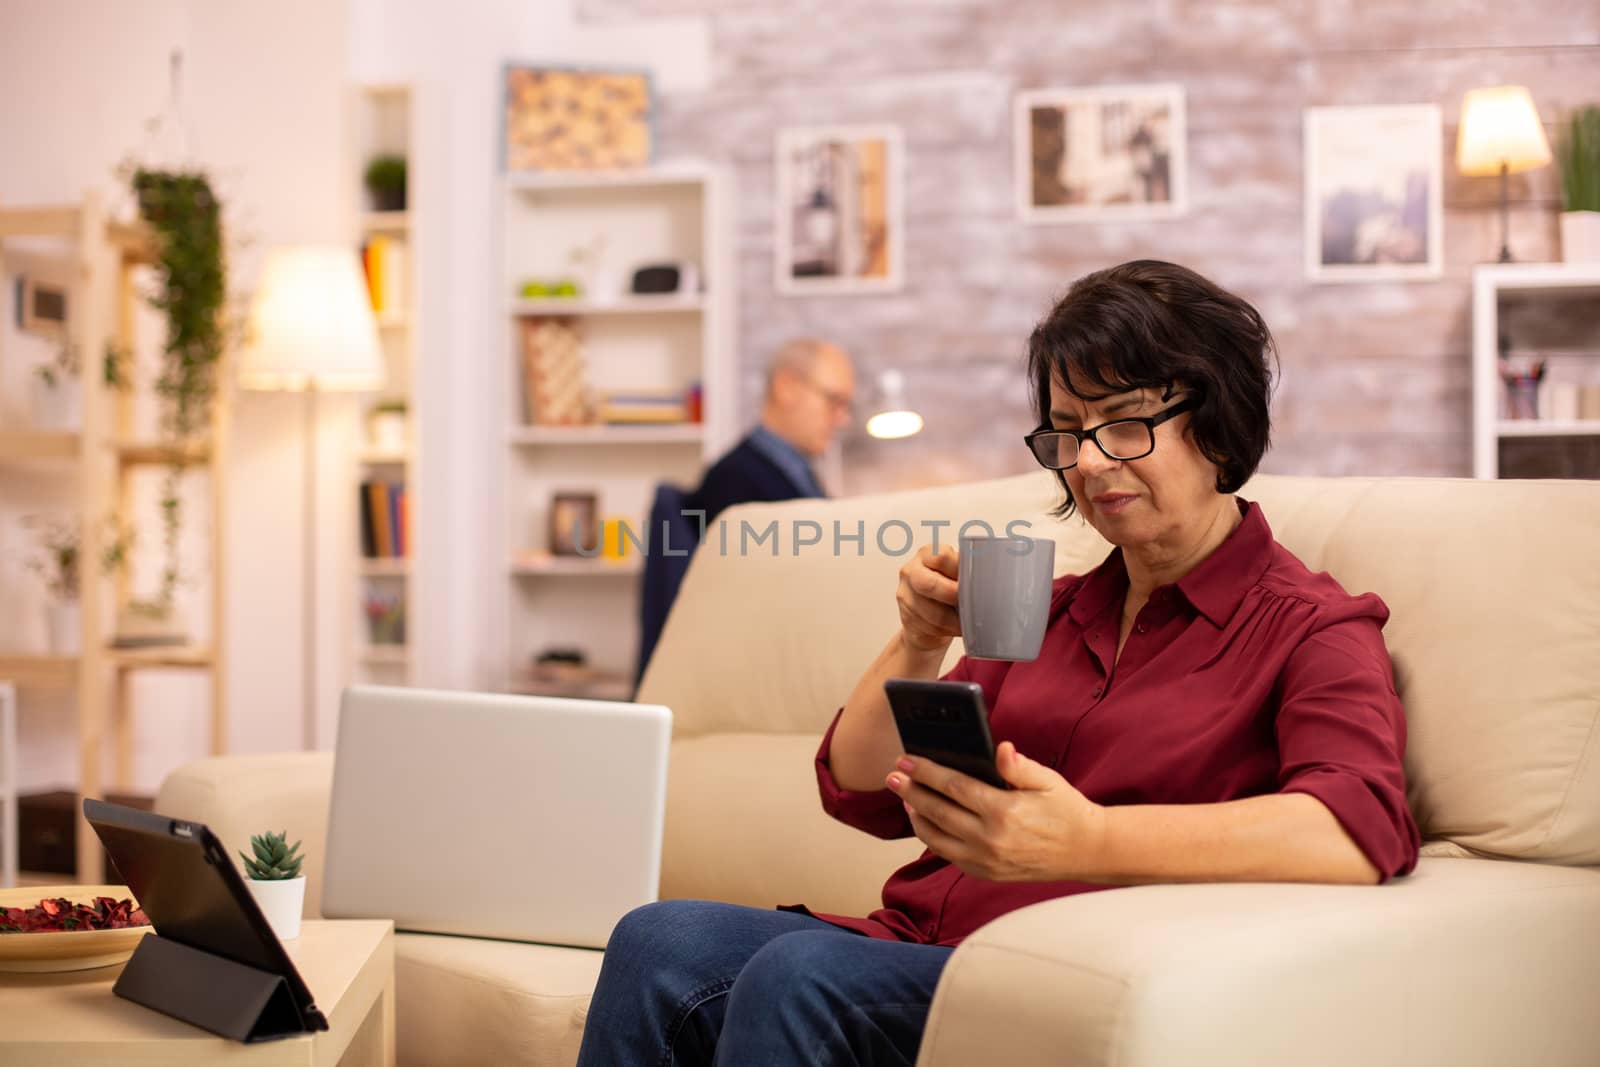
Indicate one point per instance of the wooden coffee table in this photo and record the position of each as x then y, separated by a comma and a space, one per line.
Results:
73, 1018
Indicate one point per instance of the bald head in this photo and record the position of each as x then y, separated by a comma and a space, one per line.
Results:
810, 384
802, 357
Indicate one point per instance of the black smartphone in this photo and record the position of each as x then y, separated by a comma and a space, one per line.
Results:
945, 722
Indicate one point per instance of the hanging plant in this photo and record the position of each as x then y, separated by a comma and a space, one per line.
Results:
184, 215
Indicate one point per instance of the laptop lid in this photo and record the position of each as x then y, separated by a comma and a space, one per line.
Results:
488, 815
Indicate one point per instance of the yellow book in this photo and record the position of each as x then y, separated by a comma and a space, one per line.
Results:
377, 255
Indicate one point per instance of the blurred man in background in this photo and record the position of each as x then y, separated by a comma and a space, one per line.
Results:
810, 387
809, 390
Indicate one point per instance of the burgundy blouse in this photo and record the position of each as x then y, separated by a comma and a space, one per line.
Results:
1250, 675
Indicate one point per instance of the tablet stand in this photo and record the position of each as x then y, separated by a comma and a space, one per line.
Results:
209, 991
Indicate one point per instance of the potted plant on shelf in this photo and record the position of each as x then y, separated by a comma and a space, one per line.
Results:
273, 875
1578, 149
191, 289
57, 394
58, 565
386, 181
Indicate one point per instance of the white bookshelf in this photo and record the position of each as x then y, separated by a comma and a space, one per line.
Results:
8, 785
603, 436
1492, 286
666, 214
384, 122
670, 304
1548, 427
568, 567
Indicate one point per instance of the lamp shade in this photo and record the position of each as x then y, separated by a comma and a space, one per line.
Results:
892, 416
311, 324
1500, 126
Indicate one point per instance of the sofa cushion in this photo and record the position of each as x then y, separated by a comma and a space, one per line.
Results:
1493, 588
745, 826
1494, 594
463, 1000
238, 796
772, 639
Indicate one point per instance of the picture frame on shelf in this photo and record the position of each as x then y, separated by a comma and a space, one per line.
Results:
43, 288
574, 515
840, 209
1374, 193
1100, 153
557, 118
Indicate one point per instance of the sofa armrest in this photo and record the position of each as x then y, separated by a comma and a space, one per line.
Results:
1466, 961
238, 796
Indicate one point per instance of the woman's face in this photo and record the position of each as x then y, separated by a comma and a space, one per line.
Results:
1144, 501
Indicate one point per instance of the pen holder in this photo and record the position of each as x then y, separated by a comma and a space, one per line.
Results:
1522, 398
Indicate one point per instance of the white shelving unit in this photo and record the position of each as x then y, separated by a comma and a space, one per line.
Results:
664, 214
384, 121
1492, 286
8, 785
631, 305
606, 436
567, 567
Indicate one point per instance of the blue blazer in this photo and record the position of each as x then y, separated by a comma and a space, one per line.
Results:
742, 476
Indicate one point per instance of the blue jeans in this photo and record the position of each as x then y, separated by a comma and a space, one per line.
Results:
689, 982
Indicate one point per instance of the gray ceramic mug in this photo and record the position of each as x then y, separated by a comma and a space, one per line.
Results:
1003, 595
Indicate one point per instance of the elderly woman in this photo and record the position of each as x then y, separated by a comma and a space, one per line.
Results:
1204, 708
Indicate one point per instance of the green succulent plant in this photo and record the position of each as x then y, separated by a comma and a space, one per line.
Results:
274, 859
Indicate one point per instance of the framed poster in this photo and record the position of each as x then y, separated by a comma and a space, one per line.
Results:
840, 211
569, 119
1100, 154
1373, 200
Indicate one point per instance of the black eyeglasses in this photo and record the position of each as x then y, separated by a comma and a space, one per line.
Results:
843, 403
1119, 439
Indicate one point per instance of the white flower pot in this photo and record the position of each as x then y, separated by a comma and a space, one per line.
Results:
64, 619
1580, 236
281, 902
57, 407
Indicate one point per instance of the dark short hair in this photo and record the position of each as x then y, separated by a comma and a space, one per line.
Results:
1154, 325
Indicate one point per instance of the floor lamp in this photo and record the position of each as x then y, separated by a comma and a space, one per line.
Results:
311, 330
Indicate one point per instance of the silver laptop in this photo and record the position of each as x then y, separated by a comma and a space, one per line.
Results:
525, 818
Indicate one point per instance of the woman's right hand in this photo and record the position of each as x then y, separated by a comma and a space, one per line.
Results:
927, 599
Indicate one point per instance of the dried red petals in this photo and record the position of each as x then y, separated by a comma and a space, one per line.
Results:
59, 915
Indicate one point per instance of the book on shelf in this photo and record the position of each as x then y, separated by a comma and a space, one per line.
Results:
386, 260
643, 407
385, 520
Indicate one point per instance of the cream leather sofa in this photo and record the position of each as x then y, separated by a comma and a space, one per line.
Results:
1488, 954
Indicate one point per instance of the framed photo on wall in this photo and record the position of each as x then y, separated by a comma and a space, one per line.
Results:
560, 118
840, 209
1374, 200
1100, 154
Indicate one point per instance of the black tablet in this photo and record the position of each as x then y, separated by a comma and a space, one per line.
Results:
189, 888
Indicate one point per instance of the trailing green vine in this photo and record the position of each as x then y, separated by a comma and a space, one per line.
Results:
186, 218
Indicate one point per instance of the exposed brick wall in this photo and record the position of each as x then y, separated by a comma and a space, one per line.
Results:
1375, 376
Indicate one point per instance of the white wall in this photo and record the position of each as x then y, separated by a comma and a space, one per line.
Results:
263, 86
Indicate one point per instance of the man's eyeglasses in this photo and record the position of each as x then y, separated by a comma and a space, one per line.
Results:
1119, 439
843, 403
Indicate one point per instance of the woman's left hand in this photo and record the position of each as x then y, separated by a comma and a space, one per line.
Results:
1040, 830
